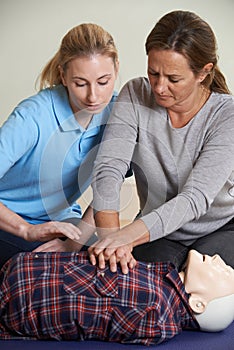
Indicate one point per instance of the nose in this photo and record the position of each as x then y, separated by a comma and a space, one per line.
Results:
216, 257
92, 94
160, 85
218, 260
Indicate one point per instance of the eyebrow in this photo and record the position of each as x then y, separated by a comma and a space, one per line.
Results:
168, 75
103, 76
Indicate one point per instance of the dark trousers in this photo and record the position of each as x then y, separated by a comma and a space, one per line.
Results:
11, 244
219, 242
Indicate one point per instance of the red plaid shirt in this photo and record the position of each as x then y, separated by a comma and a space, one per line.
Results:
62, 296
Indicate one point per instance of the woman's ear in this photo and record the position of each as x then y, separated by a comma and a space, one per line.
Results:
207, 69
197, 304
61, 71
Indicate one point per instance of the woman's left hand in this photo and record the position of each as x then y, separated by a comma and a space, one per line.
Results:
115, 249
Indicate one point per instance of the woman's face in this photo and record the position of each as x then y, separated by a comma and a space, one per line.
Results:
173, 82
90, 82
208, 276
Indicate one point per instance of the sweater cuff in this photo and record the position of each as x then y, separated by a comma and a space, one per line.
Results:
154, 224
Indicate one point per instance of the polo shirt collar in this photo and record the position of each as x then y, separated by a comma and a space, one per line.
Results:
65, 115
62, 109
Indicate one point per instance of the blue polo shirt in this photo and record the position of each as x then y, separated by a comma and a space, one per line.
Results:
46, 157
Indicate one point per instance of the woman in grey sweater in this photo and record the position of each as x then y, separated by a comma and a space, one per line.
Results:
176, 129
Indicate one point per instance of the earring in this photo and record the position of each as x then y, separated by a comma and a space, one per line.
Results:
199, 304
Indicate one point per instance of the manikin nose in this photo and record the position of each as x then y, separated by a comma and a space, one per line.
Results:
216, 257
218, 260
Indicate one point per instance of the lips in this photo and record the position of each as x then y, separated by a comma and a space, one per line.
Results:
93, 108
163, 97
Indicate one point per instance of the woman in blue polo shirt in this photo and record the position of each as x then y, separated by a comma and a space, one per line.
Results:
49, 142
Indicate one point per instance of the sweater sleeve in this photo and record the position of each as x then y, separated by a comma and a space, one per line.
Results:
114, 155
205, 196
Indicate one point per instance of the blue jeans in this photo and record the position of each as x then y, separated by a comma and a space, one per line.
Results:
219, 242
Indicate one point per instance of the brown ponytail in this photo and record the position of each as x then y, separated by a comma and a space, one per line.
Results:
189, 35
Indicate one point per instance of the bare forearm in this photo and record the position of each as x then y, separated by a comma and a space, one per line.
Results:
107, 222
12, 222
136, 233
87, 225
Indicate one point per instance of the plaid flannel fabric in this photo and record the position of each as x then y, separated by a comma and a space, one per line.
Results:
62, 296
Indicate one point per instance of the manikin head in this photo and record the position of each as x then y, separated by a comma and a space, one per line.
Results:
210, 283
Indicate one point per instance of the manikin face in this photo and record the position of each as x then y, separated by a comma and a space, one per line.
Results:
90, 82
173, 82
208, 277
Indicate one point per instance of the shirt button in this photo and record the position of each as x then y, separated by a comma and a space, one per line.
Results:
36, 256
148, 266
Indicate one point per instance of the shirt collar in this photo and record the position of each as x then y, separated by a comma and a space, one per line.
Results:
65, 116
62, 109
174, 278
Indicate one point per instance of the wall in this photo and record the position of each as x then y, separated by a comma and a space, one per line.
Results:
31, 30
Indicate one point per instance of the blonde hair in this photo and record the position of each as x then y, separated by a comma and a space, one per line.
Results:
86, 39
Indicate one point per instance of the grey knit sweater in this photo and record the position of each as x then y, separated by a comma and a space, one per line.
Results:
184, 176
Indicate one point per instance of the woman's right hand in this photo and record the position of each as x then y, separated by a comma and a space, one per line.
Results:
114, 248
51, 230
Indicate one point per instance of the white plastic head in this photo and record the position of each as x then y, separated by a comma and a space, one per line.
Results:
218, 315
210, 283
